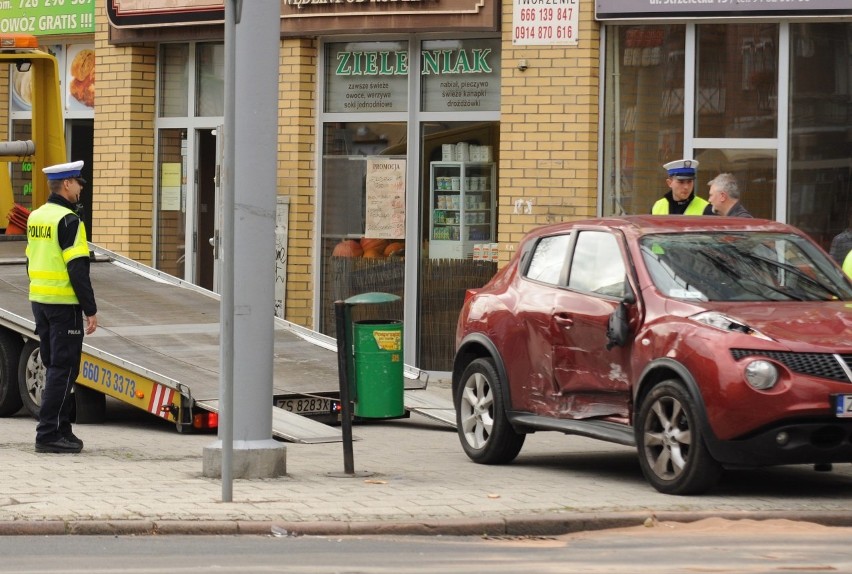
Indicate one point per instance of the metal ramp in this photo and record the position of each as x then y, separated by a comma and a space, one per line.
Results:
435, 405
292, 427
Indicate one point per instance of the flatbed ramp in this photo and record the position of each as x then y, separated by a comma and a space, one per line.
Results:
167, 330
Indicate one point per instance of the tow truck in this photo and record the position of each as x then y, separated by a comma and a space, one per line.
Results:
157, 343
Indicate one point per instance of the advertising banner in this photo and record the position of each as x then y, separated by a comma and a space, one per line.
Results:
46, 17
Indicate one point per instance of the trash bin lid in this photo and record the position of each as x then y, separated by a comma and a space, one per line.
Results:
372, 298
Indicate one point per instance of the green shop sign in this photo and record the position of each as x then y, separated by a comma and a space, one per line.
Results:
47, 17
455, 75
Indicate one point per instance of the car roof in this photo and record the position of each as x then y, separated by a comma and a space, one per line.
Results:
638, 225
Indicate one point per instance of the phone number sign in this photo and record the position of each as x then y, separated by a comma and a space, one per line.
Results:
544, 22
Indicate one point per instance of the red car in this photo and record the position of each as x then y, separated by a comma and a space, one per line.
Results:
705, 342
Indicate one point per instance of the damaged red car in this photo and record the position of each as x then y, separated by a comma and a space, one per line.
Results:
705, 342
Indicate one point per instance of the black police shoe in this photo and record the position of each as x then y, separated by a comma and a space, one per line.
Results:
63, 445
72, 438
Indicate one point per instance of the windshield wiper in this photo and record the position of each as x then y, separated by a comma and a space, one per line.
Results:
736, 276
795, 271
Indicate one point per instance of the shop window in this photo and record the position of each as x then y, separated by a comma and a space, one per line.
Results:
174, 80
363, 214
210, 80
643, 114
171, 224
736, 92
820, 119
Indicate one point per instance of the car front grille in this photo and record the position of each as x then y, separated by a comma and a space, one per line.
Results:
823, 365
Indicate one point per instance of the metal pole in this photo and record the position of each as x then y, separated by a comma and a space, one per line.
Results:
226, 410
344, 347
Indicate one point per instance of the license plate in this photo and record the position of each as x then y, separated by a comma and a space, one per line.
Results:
843, 406
309, 406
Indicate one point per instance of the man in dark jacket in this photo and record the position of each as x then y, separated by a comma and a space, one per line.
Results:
62, 299
725, 196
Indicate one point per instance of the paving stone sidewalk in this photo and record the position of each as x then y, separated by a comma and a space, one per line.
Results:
137, 474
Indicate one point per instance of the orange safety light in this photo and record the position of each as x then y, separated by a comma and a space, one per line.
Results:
205, 420
9, 41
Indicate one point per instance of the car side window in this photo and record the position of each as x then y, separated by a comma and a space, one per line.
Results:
597, 265
548, 258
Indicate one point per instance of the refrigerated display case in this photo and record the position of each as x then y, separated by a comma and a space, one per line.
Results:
462, 202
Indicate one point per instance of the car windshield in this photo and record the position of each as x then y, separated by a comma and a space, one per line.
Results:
745, 266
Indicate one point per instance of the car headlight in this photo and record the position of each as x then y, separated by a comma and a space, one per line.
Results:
720, 321
761, 374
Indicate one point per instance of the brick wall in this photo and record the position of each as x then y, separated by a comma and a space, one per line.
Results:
548, 131
123, 160
296, 169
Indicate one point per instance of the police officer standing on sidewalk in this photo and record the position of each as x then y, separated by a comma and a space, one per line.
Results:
63, 301
681, 198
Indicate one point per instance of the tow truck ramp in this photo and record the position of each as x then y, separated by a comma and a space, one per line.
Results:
157, 348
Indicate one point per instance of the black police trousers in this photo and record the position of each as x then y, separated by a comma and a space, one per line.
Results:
60, 330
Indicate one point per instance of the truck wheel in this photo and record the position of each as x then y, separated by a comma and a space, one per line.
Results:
31, 377
10, 350
90, 406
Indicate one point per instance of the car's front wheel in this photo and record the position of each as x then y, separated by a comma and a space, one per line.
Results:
485, 432
672, 453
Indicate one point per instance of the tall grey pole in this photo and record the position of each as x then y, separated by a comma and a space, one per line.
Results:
226, 384
252, 144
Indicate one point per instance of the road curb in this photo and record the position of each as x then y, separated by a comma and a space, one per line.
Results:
518, 526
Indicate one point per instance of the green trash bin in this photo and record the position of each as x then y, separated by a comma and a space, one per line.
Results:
378, 369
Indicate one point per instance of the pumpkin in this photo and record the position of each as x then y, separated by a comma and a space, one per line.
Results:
392, 248
347, 248
373, 253
368, 243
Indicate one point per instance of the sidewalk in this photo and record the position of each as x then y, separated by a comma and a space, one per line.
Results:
138, 475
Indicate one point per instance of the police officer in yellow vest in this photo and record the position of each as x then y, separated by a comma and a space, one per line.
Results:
681, 198
62, 299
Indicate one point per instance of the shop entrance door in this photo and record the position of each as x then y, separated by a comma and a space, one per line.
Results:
206, 210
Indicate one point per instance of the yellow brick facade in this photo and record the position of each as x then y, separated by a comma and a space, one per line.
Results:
297, 142
123, 151
548, 131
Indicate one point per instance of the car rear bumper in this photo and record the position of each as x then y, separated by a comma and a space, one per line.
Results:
806, 442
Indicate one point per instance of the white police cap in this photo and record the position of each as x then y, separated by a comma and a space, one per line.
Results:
682, 168
70, 170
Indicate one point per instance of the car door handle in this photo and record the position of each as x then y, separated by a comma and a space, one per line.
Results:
563, 320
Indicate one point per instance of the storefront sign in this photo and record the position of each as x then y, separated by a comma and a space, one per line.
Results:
636, 9
385, 198
43, 17
301, 18
460, 75
545, 22
457, 75
367, 77
142, 13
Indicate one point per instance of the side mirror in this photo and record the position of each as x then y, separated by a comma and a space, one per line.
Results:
618, 327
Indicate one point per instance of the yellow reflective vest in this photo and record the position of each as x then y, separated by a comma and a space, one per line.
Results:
47, 261
695, 207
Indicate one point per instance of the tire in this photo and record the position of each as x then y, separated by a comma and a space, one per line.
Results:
672, 452
31, 377
484, 430
10, 351
89, 406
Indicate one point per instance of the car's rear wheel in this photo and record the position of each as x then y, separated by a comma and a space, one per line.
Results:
672, 452
485, 432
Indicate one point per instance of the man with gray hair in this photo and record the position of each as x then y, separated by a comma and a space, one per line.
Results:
725, 197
